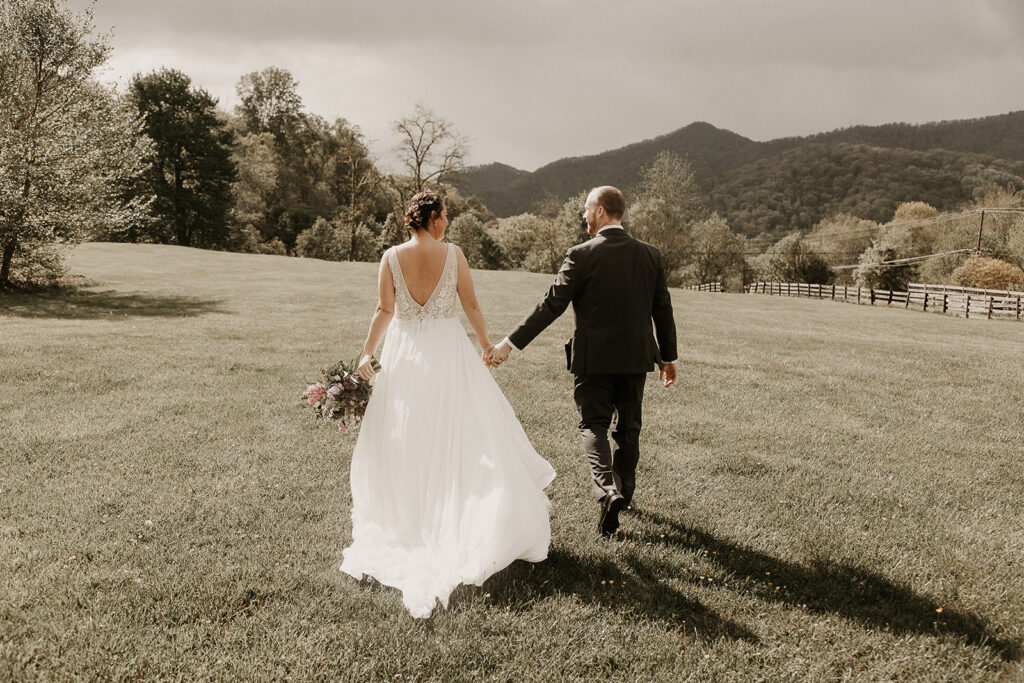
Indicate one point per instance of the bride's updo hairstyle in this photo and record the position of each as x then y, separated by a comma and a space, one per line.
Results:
422, 207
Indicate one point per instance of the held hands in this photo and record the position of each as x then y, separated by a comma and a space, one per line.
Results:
498, 354
668, 373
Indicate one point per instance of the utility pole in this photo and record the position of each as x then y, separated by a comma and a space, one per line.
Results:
980, 228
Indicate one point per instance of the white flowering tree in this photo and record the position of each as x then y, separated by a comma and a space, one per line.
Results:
69, 147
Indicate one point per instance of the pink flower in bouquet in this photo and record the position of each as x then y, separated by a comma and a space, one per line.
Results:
341, 426
334, 391
315, 392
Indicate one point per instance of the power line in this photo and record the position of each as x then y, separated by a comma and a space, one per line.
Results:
903, 261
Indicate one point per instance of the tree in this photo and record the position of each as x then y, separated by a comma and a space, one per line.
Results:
430, 148
515, 235
668, 202
270, 102
791, 260
988, 273
392, 232
190, 169
476, 243
841, 239
69, 148
914, 211
324, 240
876, 271
352, 179
256, 163
553, 237
718, 252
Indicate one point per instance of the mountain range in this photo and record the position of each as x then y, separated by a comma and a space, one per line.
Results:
789, 183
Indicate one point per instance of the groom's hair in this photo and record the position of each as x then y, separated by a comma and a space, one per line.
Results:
612, 200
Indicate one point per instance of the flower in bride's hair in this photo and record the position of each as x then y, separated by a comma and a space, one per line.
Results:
334, 391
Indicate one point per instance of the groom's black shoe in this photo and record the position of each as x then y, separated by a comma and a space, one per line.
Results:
611, 506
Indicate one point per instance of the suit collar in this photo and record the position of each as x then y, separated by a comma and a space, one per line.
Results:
612, 230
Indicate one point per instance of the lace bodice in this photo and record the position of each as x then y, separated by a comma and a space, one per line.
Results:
440, 304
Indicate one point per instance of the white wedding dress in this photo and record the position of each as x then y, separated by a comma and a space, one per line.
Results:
446, 488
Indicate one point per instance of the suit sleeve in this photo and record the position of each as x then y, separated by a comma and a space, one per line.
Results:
664, 322
553, 304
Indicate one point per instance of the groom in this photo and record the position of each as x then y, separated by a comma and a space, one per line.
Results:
616, 285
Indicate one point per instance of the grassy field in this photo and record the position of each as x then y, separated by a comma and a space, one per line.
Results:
830, 492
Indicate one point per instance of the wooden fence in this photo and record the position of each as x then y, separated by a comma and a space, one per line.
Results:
963, 302
706, 287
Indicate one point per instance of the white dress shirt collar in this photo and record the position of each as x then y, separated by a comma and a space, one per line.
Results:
611, 227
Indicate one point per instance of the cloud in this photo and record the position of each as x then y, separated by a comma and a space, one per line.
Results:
536, 80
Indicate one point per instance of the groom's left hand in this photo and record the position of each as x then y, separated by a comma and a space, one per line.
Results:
668, 373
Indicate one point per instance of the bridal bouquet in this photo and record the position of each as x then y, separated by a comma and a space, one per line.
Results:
341, 395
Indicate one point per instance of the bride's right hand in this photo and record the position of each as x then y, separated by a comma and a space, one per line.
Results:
365, 367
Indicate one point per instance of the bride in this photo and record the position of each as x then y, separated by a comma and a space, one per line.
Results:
446, 488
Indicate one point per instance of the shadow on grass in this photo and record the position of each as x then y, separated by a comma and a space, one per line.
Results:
92, 304
825, 588
630, 588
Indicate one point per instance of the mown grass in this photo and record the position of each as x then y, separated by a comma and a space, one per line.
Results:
830, 492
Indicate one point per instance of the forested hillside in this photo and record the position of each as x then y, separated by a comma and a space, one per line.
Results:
790, 183
798, 188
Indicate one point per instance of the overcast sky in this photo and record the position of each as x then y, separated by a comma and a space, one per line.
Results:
532, 81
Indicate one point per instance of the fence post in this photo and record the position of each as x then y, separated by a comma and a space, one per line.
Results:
945, 302
872, 301
990, 307
890, 298
925, 307
967, 307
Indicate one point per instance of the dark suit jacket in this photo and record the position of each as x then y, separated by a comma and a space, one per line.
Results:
616, 285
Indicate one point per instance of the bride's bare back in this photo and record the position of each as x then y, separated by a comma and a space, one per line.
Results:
422, 263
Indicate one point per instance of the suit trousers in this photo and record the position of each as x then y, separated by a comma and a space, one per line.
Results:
599, 398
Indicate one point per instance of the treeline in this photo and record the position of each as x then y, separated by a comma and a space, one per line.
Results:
161, 163
918, 243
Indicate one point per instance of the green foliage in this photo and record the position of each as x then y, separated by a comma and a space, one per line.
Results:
791, 259
914, 211
69, 147
190, 168
516, 235
273, 247
553, 237
840, 240
325, 240
875, 272
989, 273
667, 205
800, 187
480, 249
270, 103
718, 254
296, 166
